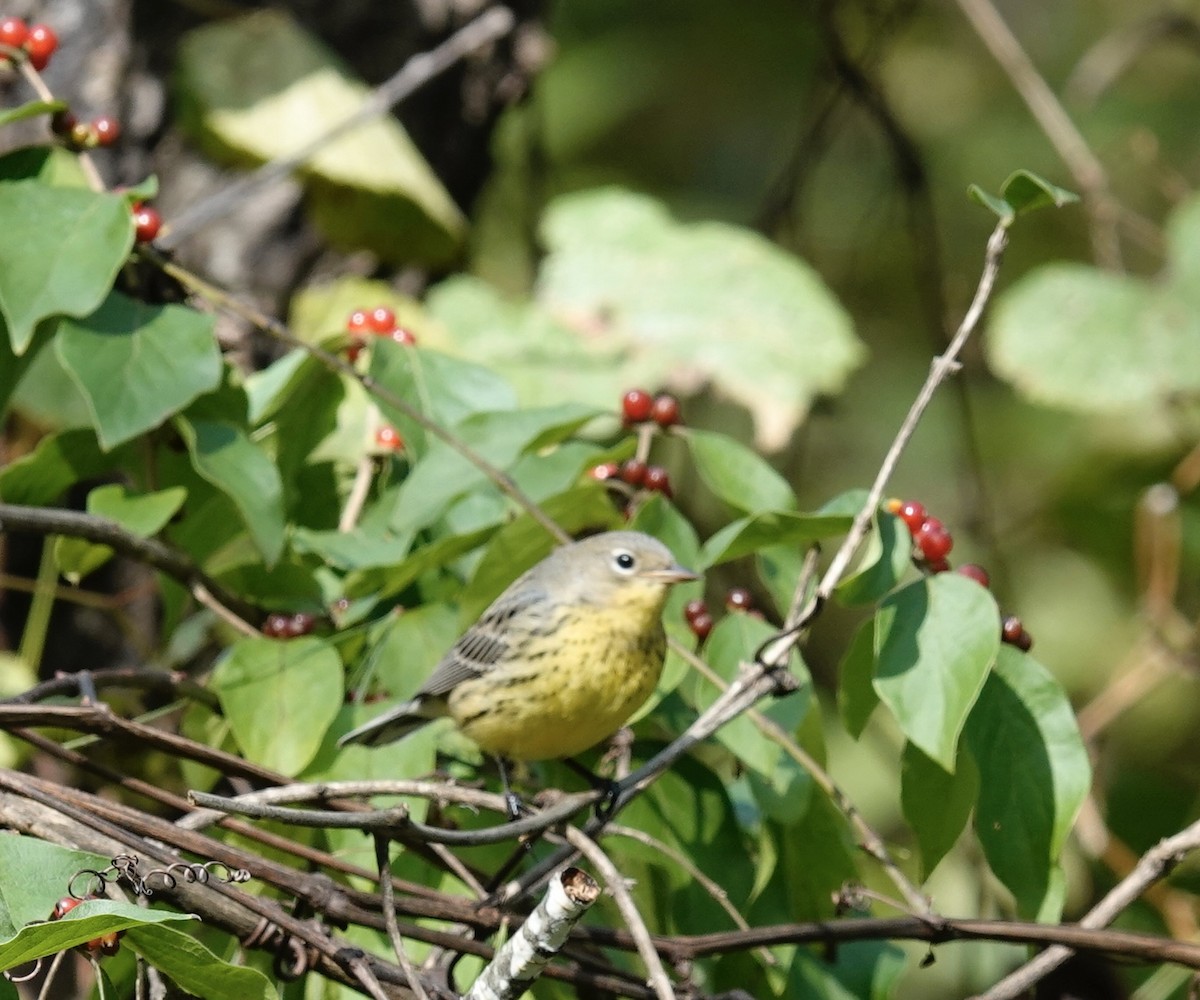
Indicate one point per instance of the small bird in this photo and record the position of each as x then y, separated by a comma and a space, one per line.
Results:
559, 661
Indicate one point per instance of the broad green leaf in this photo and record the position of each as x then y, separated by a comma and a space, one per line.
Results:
58, 462
280, 697
31, 109
817, 856
936, 804
194, 968
260, 87
87, 921
444, 474
737, 475
856, 692
52, 165
143, 515
137, 363
12, 366
390, 580
354, 549
61, 250
224, 456
935, 641
445, 389
856, 970
884, 561
1033, 774
411, 645
1026, 191
34, 875
751, 534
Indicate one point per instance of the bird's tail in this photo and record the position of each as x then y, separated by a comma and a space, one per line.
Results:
393, 725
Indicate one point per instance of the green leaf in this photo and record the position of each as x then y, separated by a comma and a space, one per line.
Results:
444, 388
856, 970
1026, 192
12, 366
31, 109
1033, 774
996, 205
856, 691
768, 528
259, 87
936, 804
194, 968
61, 251
58, 462
935, 641
280, 697
24, 899
160, 357
885, 560
737, 475
52, 165
87, 921
816, 859
143, 515
225, 457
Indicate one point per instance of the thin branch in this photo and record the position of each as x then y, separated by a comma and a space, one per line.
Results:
1155, 864
103, 531
524, 955
1056, 124
388, 896
489, 26
169, 682
615, 881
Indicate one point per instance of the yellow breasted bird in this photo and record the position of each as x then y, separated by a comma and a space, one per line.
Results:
559, 661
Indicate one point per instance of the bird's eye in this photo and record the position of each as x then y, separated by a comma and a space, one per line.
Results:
623, 561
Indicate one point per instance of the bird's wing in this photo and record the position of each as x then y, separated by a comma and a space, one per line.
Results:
509, 619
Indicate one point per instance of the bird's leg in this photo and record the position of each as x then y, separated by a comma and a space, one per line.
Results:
512, 803
608, 789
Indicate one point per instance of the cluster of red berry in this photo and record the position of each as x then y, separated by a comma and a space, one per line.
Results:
102, 131
638, 407
932, 543
280, 626
700, 619
38, 41
106, 944
377, 322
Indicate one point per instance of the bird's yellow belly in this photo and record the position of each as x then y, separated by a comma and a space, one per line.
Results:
567, 692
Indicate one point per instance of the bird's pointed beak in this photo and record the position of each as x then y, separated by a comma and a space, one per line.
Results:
671, 574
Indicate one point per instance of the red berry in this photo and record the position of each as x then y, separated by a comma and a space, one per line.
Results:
976, 573
664, 411
402, 336
147, 223
633, 472
913, 513
106, 130
354, 349
40, 45
605, 470
701, 625
1024, 642
63, 124
381, 320
13, 32
358, 322
63, 907
636, 406
694, 609
934, 541
300, 624
938, 566
276, 626
657, 480
1011, 629
388, 437
739, 599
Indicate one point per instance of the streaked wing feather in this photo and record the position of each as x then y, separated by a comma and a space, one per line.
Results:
487, 642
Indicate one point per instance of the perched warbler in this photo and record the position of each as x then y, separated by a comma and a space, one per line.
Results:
559, 661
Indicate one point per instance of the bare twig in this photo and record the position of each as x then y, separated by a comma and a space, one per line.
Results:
523, 956
615, 881
389, 918
415, 73
1155, 864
